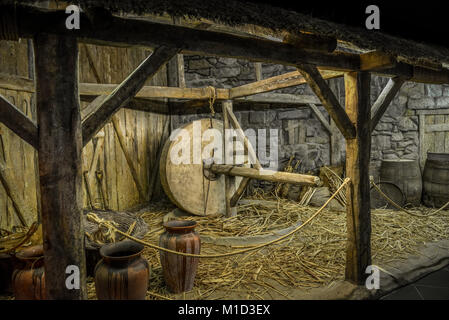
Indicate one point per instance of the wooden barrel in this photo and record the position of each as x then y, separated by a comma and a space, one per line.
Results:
405, 174
436, 180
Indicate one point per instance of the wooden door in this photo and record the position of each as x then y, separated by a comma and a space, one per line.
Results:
433, 132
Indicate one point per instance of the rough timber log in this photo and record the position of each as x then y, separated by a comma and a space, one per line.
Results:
358, 254
60, 144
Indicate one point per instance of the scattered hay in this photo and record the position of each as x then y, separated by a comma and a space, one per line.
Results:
312, 258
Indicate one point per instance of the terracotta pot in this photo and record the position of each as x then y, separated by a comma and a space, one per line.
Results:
28, 279
122, 274
92, 259
6, 270
179, 271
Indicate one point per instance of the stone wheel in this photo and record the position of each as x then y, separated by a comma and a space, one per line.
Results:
185, 184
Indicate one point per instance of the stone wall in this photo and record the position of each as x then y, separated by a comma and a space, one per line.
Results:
301, 134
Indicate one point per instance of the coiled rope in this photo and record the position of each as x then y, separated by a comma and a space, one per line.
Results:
212, 98
94, 218
405, 210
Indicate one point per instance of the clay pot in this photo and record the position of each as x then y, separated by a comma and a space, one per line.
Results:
6, 270
122, 274
28, 279
179, 271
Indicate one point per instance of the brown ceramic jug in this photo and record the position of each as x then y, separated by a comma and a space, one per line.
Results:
6, 270
28, 279
122, 274
179, 271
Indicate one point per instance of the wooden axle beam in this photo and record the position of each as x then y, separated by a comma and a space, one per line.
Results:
262, 174
358, 150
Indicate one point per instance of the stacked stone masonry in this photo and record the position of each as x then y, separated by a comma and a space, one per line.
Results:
300, 133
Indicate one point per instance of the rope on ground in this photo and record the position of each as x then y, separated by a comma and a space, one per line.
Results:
94, 218
404, 210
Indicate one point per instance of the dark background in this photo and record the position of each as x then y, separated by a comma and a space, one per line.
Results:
425, 21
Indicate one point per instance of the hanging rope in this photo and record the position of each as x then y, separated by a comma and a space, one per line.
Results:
212, 98
94, 218
405, 210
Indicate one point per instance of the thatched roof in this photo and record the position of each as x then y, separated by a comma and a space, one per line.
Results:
236, 13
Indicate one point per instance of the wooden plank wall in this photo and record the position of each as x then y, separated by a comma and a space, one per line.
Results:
143, 132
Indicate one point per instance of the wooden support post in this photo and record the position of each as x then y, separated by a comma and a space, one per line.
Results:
231, 210
358, 255
60, 171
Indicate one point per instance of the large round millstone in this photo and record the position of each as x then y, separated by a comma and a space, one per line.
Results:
181, 169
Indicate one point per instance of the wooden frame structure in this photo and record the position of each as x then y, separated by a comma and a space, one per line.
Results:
60, 133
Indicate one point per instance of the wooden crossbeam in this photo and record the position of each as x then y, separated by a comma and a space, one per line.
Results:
118, 31
383, 101
328, 99
18, 122
152, 92
280, 98
376, 60
277, 82
125, 91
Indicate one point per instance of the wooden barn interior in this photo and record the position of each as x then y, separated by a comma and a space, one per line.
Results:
362, 124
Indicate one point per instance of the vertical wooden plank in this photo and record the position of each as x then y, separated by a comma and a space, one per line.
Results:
358, 254
422, 134
258, 70
60, 145
439, 136
446, 137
